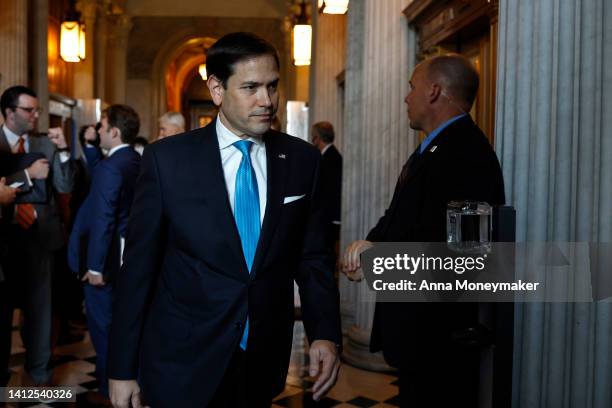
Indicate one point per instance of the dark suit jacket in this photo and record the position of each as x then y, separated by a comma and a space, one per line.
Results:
462, 166
183, 248
331, 183
47, 232
102, 219
9, 165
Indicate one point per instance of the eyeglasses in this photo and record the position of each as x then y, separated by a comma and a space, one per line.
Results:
30, 110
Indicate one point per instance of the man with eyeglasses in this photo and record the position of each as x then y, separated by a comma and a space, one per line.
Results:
35, 231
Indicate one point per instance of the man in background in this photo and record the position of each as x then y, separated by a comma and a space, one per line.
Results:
170, 124
35, 229
434, 345
100, 227
322, 137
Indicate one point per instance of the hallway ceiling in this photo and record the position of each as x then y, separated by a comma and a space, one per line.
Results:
208, 8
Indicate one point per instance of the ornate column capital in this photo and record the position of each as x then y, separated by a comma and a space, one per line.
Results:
87, 8
121, 26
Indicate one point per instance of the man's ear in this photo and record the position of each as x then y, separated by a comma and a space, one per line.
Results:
216, 89
116, 133
435, 91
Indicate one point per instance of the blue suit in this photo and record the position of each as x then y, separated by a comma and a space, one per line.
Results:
95, 242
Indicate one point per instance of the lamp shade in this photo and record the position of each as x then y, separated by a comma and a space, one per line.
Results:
72, 41
202, 72
302, 39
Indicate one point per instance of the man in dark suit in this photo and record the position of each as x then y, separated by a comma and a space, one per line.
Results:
322, 136
454, 162
100, 227
35, 227
224, 219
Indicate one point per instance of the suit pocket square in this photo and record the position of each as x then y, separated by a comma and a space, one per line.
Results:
291, 199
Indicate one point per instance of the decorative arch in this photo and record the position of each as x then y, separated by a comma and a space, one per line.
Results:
168, 79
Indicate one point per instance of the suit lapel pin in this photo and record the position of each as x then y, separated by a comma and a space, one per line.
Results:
433, 149
282, 156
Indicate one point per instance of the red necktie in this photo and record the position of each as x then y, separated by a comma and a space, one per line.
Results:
24, 213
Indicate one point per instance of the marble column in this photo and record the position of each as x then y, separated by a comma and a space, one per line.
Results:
554, 96
84, 70
14, 40
40, 59
381, 52
328, 63
116, 67
99, 47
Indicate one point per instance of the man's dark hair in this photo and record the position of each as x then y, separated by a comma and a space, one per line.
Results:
140, 140
10, 97
125, 119
325, 131
233, 48
457, 74
82, 131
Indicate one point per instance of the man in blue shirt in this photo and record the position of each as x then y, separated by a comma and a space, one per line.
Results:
454, 162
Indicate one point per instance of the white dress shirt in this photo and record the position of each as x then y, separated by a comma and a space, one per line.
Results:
13, 141
231, 157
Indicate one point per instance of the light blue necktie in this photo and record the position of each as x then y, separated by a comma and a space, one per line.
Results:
246, 213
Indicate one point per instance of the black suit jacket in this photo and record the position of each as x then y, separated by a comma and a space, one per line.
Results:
459, 164
331, 184
183, 250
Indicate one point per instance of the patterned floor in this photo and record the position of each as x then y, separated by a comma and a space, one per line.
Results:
74, 365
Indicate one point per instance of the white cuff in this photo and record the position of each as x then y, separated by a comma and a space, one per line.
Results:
64, 157
30, 184
94, 272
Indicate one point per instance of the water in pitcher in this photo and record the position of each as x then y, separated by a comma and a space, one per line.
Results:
468, 226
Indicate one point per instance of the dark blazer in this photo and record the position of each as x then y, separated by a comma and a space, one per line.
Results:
331, 182
459, 164
48, 231
102, 219
184, 290
10, 164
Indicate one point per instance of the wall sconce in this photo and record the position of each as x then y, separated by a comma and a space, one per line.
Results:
202, 67
302, 38
202, 72
333, 6
72, 37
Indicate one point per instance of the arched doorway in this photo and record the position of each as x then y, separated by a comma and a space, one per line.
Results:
175, 73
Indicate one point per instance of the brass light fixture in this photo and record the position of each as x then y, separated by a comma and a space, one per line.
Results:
202, 72
202, 67
333, 6
302, 38
72, 37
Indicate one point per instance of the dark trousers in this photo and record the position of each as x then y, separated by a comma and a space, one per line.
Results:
239, 387
27, 271
6, 317
98, 303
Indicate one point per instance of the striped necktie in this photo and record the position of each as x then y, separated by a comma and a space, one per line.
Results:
24, 213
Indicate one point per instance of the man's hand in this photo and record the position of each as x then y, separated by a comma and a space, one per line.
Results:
351, 260
7, 194
39, 169
56, 136
94, 279
122, 392
324, 363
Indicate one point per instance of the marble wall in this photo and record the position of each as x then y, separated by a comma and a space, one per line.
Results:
381, 53
553, 100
